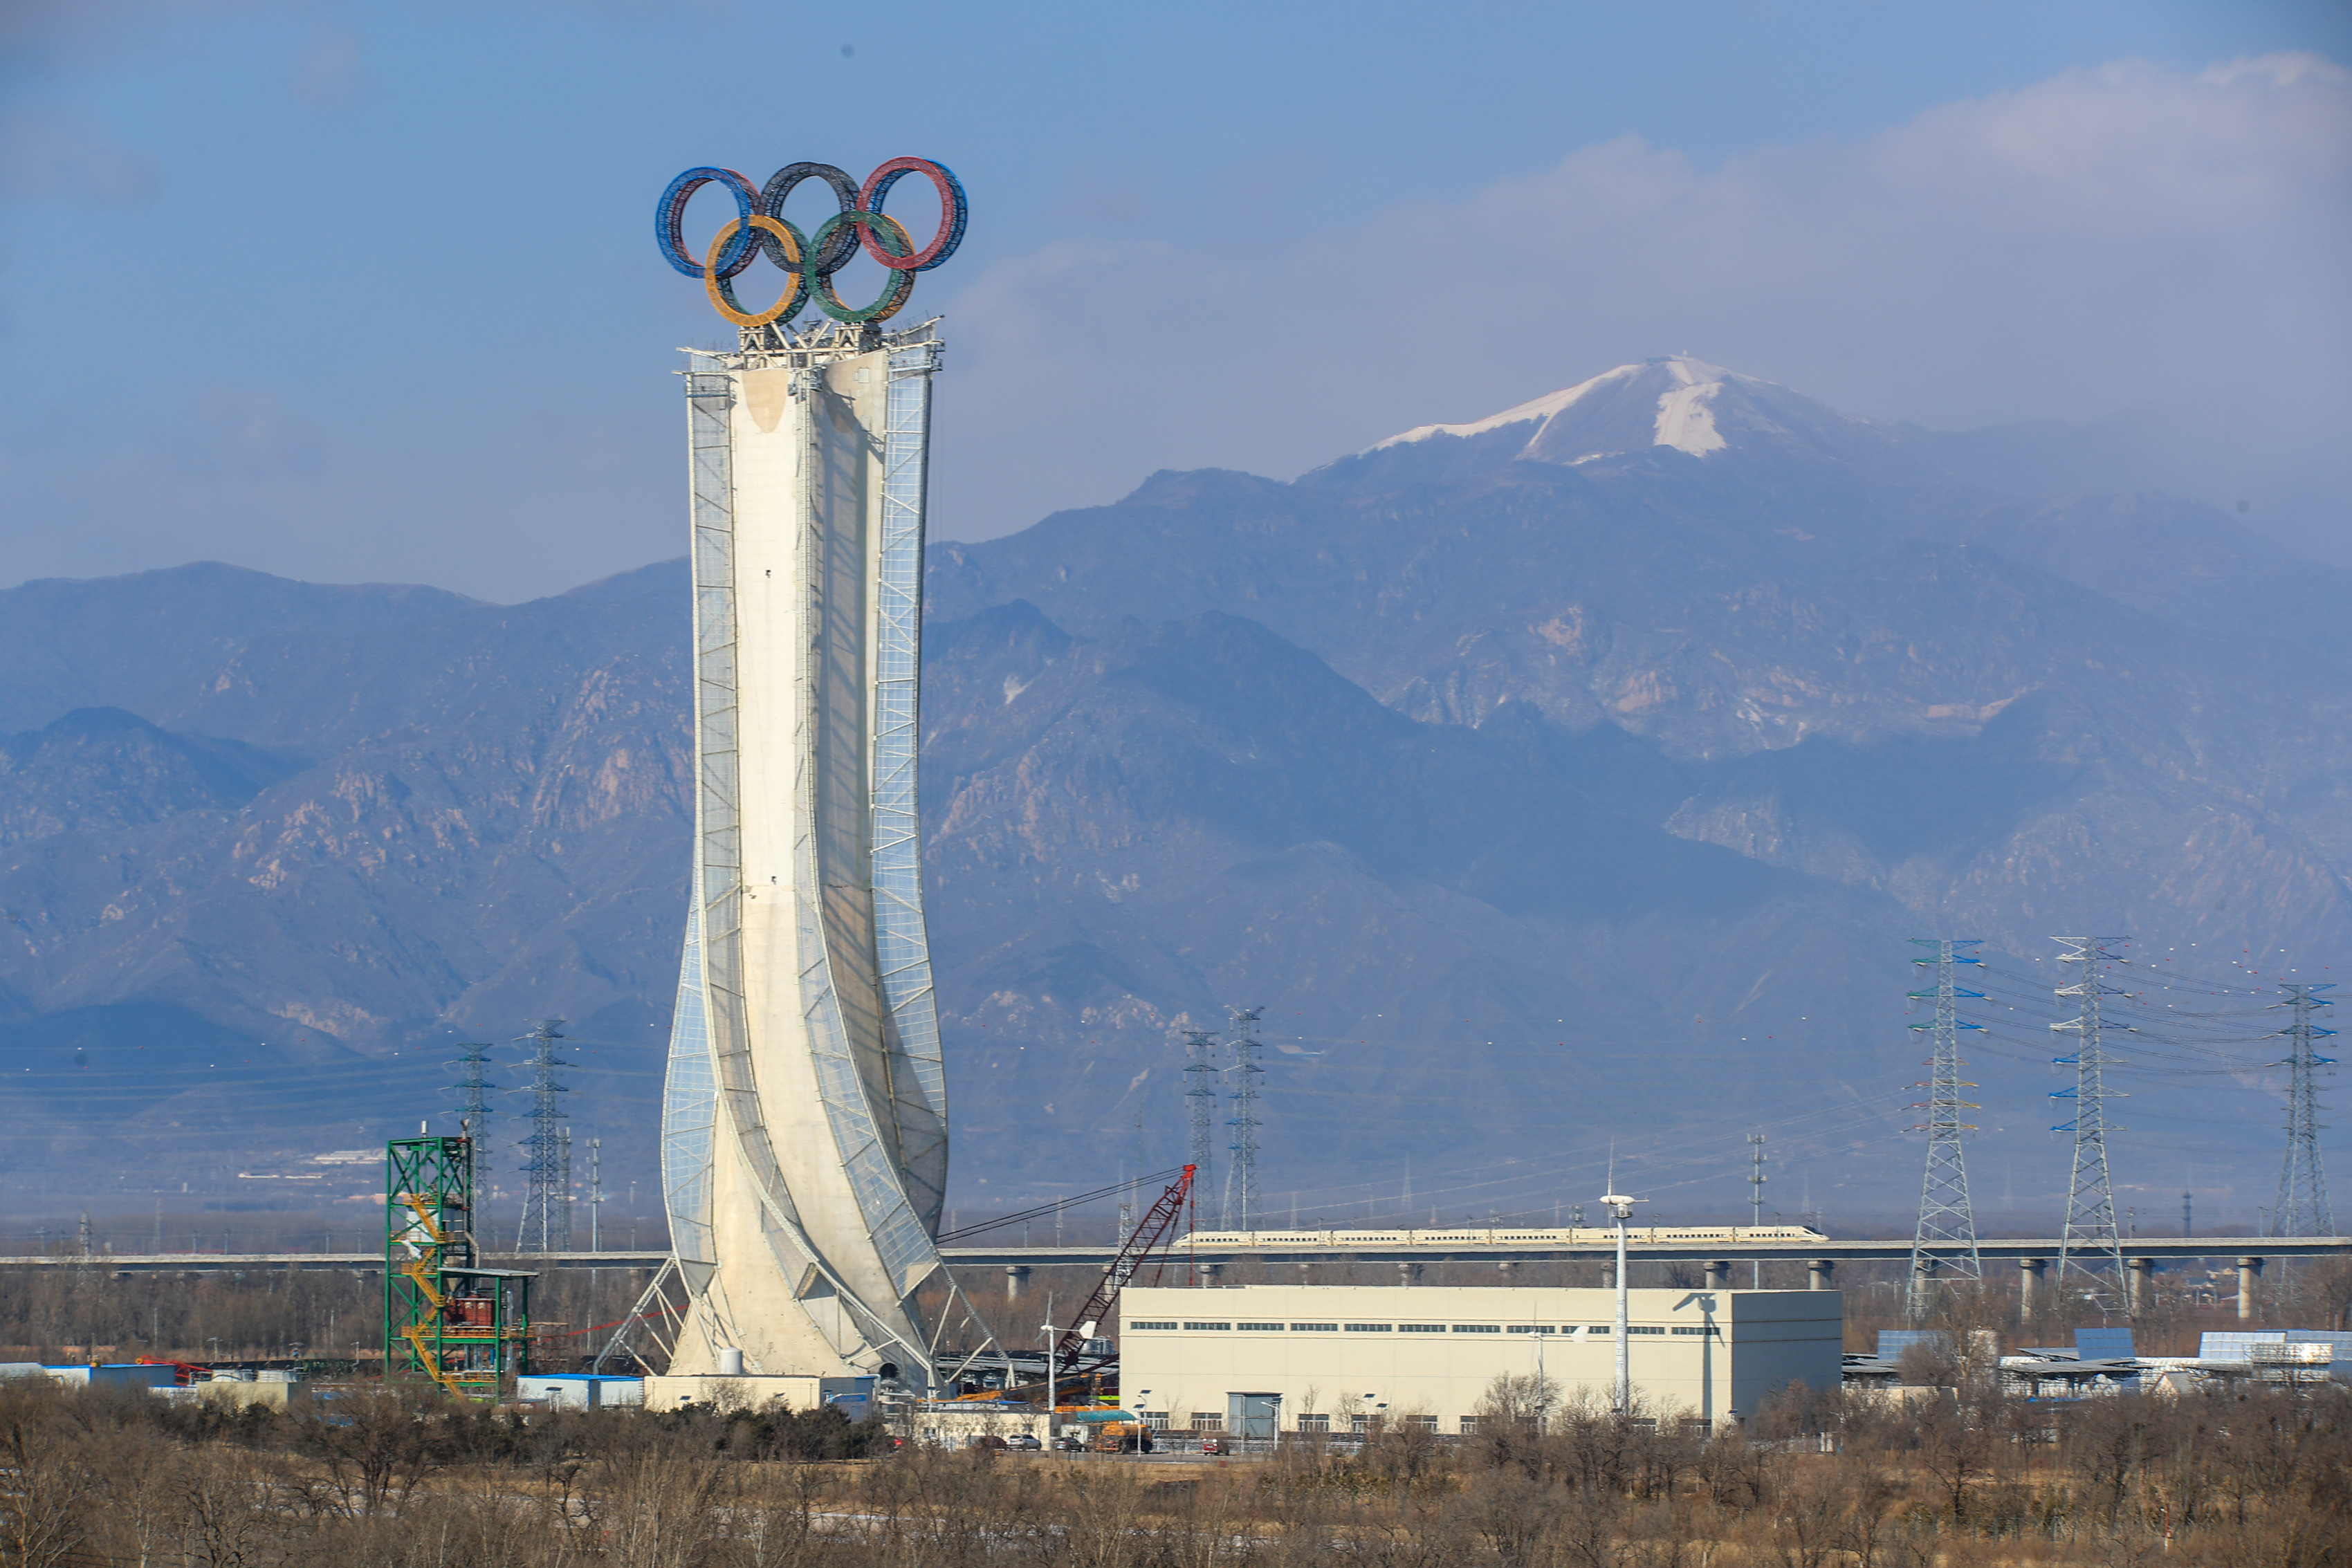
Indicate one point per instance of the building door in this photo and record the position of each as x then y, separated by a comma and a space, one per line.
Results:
1253, 1415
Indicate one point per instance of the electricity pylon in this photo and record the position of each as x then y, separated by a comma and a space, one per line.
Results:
547, 1160
2091, 1236
1201, 1101
474, 1111
1241, 1177
2302, 1208
1946, 1236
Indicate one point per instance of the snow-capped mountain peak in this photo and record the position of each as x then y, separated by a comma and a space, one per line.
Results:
1678, 402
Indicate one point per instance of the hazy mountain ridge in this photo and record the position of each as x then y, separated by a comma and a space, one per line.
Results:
1656, 752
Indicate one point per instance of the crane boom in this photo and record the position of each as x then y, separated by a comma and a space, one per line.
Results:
1155, 1226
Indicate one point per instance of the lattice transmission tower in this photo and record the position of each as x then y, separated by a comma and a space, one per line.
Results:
1945, 1244
1756, 1180
547, 1152
1242, 1206
2091, 1239
473, 1111
2302, 1208
1201, 1102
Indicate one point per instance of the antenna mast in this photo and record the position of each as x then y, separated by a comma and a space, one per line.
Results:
2090, 1237
1947, 1235
1241, 1178
2302, 1208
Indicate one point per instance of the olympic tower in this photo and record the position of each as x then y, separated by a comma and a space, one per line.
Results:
804, 1118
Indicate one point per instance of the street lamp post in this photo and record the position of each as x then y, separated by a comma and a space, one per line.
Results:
1622, 1208
1053, 1343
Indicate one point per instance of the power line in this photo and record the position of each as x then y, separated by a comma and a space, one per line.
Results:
2302, 1207
547, 1159
474, 1111
1755, 1179
1241, 1178
1199, 1098
2090, 1190
1946, 1234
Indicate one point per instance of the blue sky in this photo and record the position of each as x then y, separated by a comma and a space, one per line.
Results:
350, 291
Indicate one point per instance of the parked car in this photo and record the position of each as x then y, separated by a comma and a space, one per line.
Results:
988, 1440
1214, 1445
1024, 1440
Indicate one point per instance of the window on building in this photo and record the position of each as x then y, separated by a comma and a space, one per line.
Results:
1478, 1327
1132, 1327
1369, 1328
1601, 1328
1208, 1421
1359, 1424
1698, 1329
1257, 1328
1420, 1328
1315, 1328
1424, 1422
1532, 1328
1469, 1425
1313, 1423
1156, 1419
1208, 1326
1647, 1328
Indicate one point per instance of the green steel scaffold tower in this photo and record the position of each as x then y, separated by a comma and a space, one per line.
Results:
445, 1316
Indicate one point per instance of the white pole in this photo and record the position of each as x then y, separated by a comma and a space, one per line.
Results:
1622, 1208
1624, 1339
1053, 1343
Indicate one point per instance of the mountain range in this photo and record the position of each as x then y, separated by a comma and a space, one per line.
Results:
1566, 777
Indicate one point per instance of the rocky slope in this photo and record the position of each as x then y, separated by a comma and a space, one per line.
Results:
1571, 775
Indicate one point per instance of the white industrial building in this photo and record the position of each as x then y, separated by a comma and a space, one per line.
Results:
1254, 1360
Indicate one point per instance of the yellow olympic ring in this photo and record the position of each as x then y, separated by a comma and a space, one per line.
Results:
721, 288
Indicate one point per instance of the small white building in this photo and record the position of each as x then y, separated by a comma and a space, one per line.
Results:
1253, 1360
792, 1392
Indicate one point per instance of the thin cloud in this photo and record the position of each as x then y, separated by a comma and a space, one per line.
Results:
2103, 241
327, 73
62, 152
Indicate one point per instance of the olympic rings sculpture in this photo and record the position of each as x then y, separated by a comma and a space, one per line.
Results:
809, 261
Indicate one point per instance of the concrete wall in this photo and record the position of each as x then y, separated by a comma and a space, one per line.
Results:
1435, 1351
581, 1391
677, 1391
952, 1426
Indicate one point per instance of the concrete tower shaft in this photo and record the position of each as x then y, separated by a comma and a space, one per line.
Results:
804, 1117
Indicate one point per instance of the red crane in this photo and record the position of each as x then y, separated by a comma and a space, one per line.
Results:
1150, 1235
